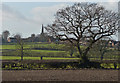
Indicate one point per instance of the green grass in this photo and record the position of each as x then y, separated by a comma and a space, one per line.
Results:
50, 46
53, 51
8, 47
111, 65
0, 46
48, 53
14, 46
54, 58
31, 58
37, 53
105, 58
16, 57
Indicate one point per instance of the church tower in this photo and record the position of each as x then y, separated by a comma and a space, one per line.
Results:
42, 32
42, 35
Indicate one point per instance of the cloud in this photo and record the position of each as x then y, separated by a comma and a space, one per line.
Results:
60, 0
16, 22
45, 15
0, 17
10, 14
110, 5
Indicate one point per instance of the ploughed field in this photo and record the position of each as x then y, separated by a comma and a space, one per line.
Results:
60, 75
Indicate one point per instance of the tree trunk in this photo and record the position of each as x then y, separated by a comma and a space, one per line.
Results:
80, 53
102, 54
84, 57
21, 53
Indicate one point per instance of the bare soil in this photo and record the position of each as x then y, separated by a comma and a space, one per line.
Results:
60, 75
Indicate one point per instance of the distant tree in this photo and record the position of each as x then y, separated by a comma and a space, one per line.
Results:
5, 35
0, 39
83, 21
20, 44
70, 48
118, 46
33, 37
101, 47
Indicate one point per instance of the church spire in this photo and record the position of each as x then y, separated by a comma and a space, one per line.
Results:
42, 29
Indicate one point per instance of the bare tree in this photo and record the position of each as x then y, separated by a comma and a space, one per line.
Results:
101, 47
83, 21
5, 35
20, 44
70, 48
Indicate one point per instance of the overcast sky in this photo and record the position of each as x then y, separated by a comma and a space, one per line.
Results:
27, 17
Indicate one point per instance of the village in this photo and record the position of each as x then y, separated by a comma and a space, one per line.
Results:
44, 37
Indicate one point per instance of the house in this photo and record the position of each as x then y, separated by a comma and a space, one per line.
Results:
113, 43
12, 39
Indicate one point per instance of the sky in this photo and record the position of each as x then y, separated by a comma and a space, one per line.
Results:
27, 17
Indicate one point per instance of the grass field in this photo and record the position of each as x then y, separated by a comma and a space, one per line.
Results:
11, 50
52, 52
31, 58
31, 45
7, 47
50, 49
